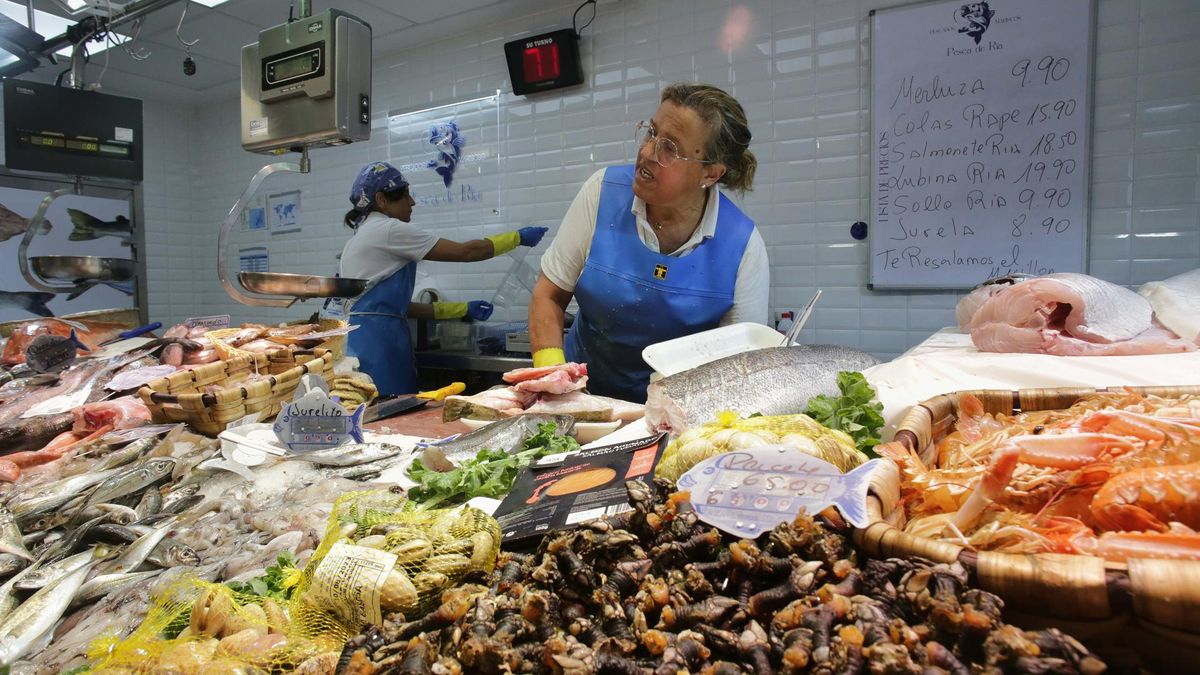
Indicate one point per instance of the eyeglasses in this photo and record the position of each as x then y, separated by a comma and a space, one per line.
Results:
666, 152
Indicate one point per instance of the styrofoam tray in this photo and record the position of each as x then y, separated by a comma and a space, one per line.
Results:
585, 432
685, 353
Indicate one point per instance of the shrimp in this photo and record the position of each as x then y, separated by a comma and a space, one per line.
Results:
1148, 498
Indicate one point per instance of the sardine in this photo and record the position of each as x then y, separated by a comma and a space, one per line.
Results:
99, 586
150, 504
68, 544
507, 435
115, 534
10, 536
145, 474
41, 576
119, 513
138, 551
11, 564
171, 552
38, 614
127, 454
349, 455
771, 381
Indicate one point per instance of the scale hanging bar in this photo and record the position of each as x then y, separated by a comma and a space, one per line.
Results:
235, 214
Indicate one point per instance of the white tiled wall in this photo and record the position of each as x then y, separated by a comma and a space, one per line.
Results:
801, 75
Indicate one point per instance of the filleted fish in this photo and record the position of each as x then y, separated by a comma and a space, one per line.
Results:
771, 381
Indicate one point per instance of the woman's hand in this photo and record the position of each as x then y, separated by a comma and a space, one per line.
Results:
546, 310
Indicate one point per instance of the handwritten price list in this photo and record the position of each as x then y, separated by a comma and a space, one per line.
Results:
979, 141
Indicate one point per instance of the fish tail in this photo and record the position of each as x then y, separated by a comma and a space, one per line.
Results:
853, 502
35, 303
356, 423
83, 223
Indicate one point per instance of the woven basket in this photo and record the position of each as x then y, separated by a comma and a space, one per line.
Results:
180, 397
335, 345
1139, 605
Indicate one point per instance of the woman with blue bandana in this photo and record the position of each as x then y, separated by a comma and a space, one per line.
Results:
385, 250
653, 251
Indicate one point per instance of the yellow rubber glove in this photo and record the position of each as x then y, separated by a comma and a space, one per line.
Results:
506, 242
550, 356
449, 310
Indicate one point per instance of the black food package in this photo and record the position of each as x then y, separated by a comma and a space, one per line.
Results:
562, 491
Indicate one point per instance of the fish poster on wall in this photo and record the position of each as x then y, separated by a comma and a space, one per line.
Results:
450, 156
74, 225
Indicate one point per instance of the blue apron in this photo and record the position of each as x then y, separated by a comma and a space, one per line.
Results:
631, 297
382, 344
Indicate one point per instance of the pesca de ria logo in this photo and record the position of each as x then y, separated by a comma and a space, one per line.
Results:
974, 18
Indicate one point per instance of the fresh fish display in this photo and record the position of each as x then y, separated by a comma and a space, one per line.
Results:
99, 586
38, 614
771, 381
137, 552
133, 480
1176, 303
33, 302
1069, 314
12, 224
10, 536
349, 455
507, 435
11, 564
88, 227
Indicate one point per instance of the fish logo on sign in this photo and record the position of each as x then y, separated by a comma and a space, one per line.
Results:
660, 271
974, 19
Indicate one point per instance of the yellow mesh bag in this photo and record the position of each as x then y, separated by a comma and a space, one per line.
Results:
381, 556
729, 432
198, 627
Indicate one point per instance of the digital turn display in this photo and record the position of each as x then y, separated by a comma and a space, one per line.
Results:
544, 62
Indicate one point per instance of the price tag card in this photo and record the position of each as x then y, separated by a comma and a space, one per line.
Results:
748, 492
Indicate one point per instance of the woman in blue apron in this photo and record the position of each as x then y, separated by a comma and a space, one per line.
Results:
385, 250
654, 251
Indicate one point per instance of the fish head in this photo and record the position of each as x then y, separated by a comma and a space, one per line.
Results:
180, 554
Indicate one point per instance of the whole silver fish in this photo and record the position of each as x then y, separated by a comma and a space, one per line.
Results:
52, 496
134, 480
119, 513
11, 564
771, 381
38, 614
45, 575
65, 546
121, 457
138, 551
507, 435
150, 504
10, 536
99, 586
349, 455
171, 552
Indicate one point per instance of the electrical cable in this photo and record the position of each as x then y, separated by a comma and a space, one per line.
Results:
575, 16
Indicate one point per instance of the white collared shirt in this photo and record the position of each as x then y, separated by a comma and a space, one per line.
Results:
563, 262
382, 245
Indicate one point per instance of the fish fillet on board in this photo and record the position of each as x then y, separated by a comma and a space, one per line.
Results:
1069, 314
771, 381
1176, 303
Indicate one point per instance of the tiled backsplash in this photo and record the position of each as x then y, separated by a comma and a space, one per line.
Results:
801, 74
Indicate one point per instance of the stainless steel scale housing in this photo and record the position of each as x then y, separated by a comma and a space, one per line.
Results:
305, 84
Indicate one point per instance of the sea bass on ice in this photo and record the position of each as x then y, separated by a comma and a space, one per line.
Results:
771, 381
1068, 314
12, 224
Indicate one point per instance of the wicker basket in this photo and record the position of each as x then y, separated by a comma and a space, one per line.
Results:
335, 345
180, 397
1118, 608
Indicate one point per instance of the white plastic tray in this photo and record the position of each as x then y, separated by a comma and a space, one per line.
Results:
685, 353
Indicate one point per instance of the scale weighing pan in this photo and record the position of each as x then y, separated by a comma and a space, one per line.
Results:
301, 285
75, 267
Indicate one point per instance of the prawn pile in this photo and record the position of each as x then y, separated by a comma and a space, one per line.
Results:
1116, 475
654, 591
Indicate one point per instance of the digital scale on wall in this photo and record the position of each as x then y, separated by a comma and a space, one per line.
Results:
305, 84
44, 130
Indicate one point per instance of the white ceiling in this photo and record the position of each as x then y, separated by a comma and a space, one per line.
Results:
223, 30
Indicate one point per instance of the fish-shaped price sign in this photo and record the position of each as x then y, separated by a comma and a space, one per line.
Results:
53, 353
314, 421
748, 492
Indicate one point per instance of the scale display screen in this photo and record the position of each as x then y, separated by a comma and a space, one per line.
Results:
71, 131
293, 66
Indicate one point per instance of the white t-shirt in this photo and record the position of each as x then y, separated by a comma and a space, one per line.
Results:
382, 245
563, 262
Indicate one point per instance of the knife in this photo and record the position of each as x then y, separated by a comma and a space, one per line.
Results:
803, 319
132, 333
391, 407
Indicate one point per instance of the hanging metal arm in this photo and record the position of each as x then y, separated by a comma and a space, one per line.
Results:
234, 216
35, 224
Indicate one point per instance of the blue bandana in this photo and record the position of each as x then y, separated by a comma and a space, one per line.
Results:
374, 177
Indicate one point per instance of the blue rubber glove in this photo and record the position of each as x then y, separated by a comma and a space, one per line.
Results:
530, 236
479, 310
